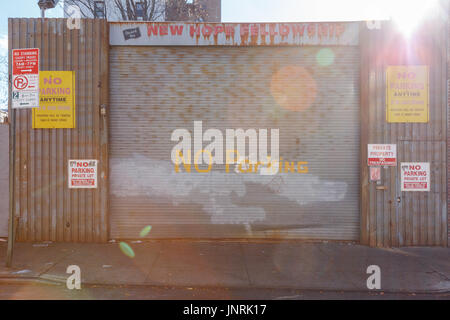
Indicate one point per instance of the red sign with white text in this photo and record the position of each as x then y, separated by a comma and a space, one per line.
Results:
25, 61
25, 78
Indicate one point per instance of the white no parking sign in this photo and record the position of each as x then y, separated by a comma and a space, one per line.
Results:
415, 176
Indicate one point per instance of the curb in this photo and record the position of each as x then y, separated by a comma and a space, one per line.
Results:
60, 281
27, 281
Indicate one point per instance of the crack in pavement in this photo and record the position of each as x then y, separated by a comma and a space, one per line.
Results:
55, 264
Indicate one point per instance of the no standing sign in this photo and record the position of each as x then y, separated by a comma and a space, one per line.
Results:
25, 78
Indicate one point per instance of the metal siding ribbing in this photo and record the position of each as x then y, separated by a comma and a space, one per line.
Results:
419, 218
448, 121
4, 179
46, 208
155, 90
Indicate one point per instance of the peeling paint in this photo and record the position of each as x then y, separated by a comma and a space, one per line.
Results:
215, 191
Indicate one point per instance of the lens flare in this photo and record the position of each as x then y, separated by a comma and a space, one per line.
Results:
126, 249
408, 15
145, 231
293, 88
325, 57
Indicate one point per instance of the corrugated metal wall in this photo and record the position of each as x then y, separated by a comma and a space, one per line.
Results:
46, 208
4, 179
391, 217
446, 5
155, 90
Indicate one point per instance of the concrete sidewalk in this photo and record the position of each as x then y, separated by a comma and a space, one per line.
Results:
290, 264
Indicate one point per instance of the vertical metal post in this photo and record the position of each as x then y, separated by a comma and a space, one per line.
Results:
42, 13
12, 153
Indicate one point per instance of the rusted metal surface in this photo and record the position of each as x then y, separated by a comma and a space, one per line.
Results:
4, 179
390, 217
156, 90
46, 208
233, 34
448, 120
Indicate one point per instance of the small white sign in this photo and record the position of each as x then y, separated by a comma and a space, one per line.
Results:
415, 176
82, 173
382, 155
375, 173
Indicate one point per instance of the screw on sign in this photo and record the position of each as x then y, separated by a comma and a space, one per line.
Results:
20, 82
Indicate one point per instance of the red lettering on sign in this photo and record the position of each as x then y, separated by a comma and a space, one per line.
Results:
284, 30
176, 30
262, 30
194, 31
163, 30
229, 30
323, 30
218, 29
244, 29
340, 29
254, 30
207, 30
152, 29
298, 30
311, 30
272, 31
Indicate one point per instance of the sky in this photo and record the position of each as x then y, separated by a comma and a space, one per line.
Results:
249, 11
258, 11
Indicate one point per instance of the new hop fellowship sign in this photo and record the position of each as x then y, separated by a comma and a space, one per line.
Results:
56, 100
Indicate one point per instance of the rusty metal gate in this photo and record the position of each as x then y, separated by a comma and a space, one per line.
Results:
311, 95
4, 179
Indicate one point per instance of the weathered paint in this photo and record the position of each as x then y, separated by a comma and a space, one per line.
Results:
46, 208
233, 34
4, 179
448, 120
390, 217
47, 211
234, 87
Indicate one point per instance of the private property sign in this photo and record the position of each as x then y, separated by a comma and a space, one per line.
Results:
415, 176
82, 173
382, 155
25, 78
233, 34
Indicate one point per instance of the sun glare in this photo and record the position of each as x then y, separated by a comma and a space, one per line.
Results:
407, 15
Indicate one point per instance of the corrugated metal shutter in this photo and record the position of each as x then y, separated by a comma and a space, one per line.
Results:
4, 179
310, 94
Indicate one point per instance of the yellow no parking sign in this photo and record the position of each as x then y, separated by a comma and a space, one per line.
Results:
56, 100
407, 94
